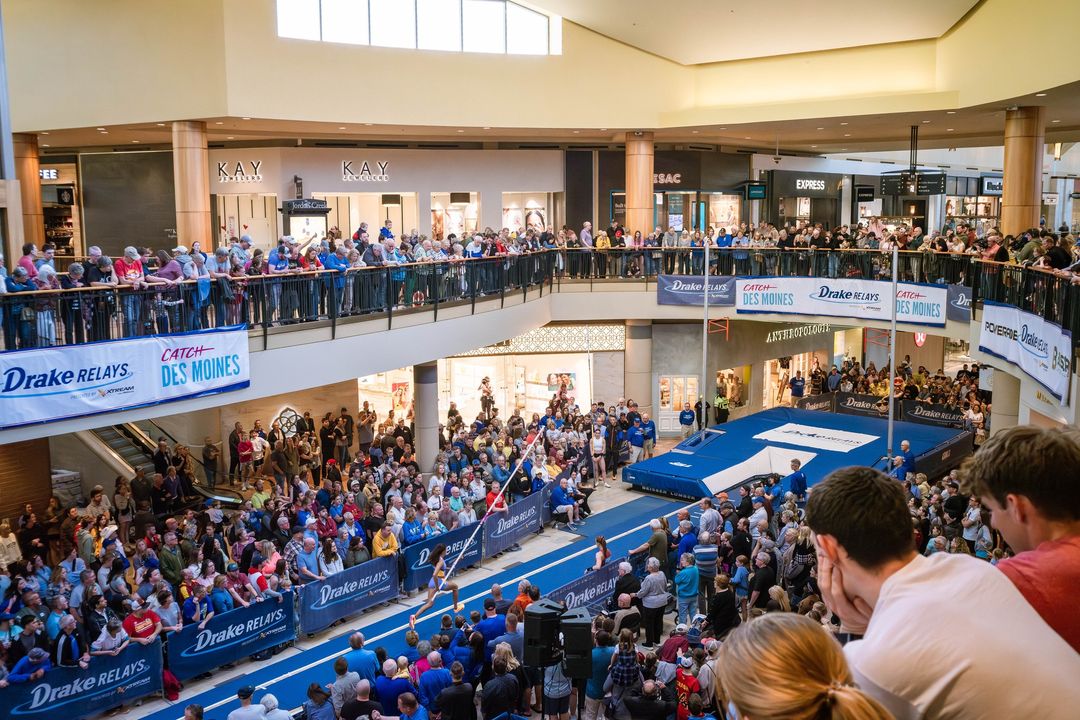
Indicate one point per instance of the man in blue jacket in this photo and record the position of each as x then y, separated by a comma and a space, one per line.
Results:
648, 427
796, 481
687, 418
636, 435
561, 502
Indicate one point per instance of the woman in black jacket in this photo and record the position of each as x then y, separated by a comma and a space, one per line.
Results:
723, 607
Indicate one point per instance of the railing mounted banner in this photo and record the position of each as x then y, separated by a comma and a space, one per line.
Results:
324, 602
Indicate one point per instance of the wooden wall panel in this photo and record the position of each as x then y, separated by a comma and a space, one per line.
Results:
25, 477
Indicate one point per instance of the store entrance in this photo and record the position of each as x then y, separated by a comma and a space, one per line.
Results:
675, 391
780, 370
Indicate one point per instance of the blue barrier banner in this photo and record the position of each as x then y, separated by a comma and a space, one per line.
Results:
346, 593
417, 568
231, 636
590, 591
690, 290
74, 693
501, 530
959, 307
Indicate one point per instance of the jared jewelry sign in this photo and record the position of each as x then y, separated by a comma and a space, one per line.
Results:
364, 171
240, 172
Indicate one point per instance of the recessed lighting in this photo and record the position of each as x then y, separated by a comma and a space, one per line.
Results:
603, 129
43, 133
135, 141
576, 132
487, 128
924, 122
1055, 121
219, 122
342, 127
813, 146
229, 138
843, 149
101, 129
695, 132
843, 123
368, 124
46, 145
821, 128
461, 131
746, 138
1040, 94
948, 129
245, 118
847, 134
104, 132
161, 124
723, 128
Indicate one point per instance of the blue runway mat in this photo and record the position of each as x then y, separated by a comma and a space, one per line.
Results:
290, 673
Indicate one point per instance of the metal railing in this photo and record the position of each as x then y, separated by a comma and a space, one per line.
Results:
49, 318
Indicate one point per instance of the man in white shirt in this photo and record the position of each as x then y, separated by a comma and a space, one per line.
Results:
759, 515
985, 653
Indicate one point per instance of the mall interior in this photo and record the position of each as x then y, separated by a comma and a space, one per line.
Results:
224, 219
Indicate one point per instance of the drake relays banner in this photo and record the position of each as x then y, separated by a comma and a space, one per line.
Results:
49, 384
842, 297
1040, 348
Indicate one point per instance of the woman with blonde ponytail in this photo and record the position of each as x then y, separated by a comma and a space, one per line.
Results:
785, 666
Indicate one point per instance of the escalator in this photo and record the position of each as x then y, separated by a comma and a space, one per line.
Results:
135, 444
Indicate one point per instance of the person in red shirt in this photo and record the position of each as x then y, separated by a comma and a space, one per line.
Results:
496, 504
1021, 475
685, 686
143, 625
246, 452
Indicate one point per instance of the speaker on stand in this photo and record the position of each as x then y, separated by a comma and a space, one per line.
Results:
542, 646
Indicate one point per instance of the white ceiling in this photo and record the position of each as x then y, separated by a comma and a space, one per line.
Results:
704, 31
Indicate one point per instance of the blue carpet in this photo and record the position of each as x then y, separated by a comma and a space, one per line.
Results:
289, 674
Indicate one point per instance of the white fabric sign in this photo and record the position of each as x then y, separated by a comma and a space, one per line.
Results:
1040, 348
50, 384
815, 437
864, 299
771, 460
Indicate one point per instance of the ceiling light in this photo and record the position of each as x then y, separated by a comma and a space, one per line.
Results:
46, 145
1040, 94
368, 124
161, 124
245, 118
843, 149
924, 122
135, 141
843, 123
746, 138
342, 127
576, 132
723, 128
847, 134
821, 128
1055, 121
43, 133
948, 129
950, 112
219, 122
487, 128
695, 132
813, 146
603, 129
461, 131
101, 129
229, 138
104, 132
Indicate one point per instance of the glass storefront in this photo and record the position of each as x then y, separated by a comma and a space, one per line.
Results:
254, 215
525, 211
779, 371
348, 210
454, 213
675, 391
687, 210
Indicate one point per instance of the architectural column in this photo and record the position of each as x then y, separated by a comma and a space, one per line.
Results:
639, 183
28, 173
637, 364
1005, 408
1021, 200
191, 177
426, 414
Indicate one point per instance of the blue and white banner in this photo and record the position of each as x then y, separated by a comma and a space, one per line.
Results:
690, 290
826, 402
847, 298
74, 693
501, 530
346, 593
591, 590
864, 405
959, 307
48, 384
231, 636
418, 569
1040, 348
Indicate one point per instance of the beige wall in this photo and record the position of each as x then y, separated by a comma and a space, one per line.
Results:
122, 61
319, 400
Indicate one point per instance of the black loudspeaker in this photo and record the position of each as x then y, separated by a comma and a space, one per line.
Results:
576, 626
542, 633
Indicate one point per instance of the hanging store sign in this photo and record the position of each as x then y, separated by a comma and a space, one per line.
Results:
863, 299
1040, 348
799, 331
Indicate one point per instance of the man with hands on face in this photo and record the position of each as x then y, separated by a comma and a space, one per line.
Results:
871, 577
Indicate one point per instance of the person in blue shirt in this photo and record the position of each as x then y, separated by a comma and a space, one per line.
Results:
636, 436
307, 562
197, 608
433, 681
648, 428
687, 418
909, 458
492, 626
561, 502
220, 599
686, 588
412, 531
386, 232
388, 688
797, 385
833, 381
361, 661
795, 482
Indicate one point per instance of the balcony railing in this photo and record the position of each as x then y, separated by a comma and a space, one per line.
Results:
47, 318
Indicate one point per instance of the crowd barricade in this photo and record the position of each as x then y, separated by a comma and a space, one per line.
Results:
418, 569
74, 693
324, 602
590, 591
937, 414
523, 518
232, 636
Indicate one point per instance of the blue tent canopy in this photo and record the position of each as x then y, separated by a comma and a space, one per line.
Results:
766, 442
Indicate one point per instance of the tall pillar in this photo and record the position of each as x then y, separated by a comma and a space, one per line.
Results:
1021, 200
637, 364
1005, 408
191, 177
426, 414
639, 183
28, 173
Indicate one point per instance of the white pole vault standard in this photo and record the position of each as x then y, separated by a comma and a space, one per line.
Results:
892, 358
705, 384
487, 512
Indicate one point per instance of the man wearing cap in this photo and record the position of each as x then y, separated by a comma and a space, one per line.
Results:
143, 625
247, 711
492, 626
32, 667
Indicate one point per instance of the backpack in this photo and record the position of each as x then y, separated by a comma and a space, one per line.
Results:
170, 685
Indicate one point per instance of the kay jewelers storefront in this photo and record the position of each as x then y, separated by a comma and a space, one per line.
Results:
435, 193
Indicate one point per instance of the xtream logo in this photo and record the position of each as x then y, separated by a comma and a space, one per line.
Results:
85, 689
208, 640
